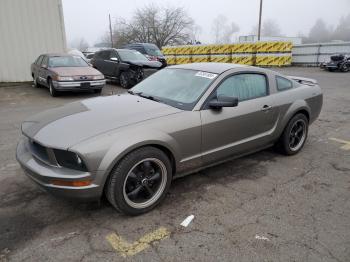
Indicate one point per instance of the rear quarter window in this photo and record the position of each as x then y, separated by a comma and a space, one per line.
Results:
283, 83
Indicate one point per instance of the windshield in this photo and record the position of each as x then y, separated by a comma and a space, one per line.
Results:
67, 61
131, 55
154, 51
180, 88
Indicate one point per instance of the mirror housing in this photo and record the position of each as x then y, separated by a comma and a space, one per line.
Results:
223, 101
114, 59
44, 66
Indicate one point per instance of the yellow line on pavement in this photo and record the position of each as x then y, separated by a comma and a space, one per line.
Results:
347, 143
129, 249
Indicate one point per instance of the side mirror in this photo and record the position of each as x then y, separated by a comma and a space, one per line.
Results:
223, 101
44, 66
114, 59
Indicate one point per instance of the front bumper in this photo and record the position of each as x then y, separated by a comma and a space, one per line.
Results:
44, 175
79, 85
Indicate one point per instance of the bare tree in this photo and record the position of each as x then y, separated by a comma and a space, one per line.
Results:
319, 32
154, 24
222, 30
342, 31
83, 44
269, 28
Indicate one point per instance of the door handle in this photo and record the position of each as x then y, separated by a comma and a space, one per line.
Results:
266, 108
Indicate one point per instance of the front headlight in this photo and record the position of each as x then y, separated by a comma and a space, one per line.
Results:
65, 78
98, 77
69, 160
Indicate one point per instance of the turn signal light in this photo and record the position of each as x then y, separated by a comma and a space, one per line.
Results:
72, 183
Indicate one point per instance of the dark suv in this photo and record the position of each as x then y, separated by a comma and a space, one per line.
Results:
126, 66
151, 51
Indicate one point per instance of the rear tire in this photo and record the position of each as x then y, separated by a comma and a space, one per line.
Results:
294, 135
52, 89
140, 181
35, 82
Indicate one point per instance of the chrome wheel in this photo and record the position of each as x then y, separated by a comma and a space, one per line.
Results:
145, 183
297, 135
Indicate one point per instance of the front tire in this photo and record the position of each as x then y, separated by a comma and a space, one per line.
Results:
345, 68
140, 181
294, 135
124, 80
52, 89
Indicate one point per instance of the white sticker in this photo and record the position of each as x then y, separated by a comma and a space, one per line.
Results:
206, 75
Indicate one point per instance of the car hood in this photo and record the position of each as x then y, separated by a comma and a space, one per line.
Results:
75, 71
65, 126
145, 64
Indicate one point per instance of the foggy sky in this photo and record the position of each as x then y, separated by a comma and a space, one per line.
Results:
89, 18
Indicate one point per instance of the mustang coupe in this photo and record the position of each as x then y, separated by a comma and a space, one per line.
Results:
179, 120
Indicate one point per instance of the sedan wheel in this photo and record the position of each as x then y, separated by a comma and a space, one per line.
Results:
140, 181
294, 135
52, 89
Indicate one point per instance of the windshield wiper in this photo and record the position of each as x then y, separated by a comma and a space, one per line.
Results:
141, 94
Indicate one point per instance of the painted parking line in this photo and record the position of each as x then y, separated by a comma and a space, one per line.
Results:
346, 145
125, 248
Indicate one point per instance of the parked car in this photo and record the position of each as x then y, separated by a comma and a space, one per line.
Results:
179, 120
89, 56
151, 51
337, 62
64, 72
127, 66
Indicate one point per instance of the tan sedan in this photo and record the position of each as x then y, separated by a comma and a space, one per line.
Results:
63, 72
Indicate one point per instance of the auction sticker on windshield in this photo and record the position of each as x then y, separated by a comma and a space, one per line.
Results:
206, 75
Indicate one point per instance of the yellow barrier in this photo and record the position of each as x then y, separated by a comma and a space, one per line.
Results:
258, 53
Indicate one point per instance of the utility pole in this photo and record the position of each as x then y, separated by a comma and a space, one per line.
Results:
110, 29
259, 28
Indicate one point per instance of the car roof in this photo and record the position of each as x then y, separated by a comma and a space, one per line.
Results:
58, 54
217, 68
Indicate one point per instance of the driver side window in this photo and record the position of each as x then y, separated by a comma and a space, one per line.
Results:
243, 86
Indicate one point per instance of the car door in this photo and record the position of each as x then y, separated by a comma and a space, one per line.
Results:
244, 128
36, 66
112, 64
101, 61
42, 70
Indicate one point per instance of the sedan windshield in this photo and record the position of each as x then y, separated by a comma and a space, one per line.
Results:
67, 61
131, 55
180, 88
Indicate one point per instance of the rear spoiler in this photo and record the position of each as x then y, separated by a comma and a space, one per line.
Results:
304, 81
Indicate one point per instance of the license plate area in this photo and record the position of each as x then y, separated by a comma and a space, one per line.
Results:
85, 85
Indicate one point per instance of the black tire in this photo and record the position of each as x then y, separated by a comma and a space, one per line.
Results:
35, 82
124, 80
123, 177
52, 89
97, 91
345, 67
290, 134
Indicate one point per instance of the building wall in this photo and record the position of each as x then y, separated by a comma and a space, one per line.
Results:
317, 53
28, 29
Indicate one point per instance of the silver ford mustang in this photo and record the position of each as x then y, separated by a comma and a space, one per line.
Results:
179, 120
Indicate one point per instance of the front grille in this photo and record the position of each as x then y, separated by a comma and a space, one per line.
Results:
40, 152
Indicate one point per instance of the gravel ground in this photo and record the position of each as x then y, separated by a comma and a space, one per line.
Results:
263, 207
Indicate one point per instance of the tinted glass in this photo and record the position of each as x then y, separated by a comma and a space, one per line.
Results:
45, 61
67, 61
177, 87
283, 83
39, 60
153, 50
131, 55
243, 86
104, 54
